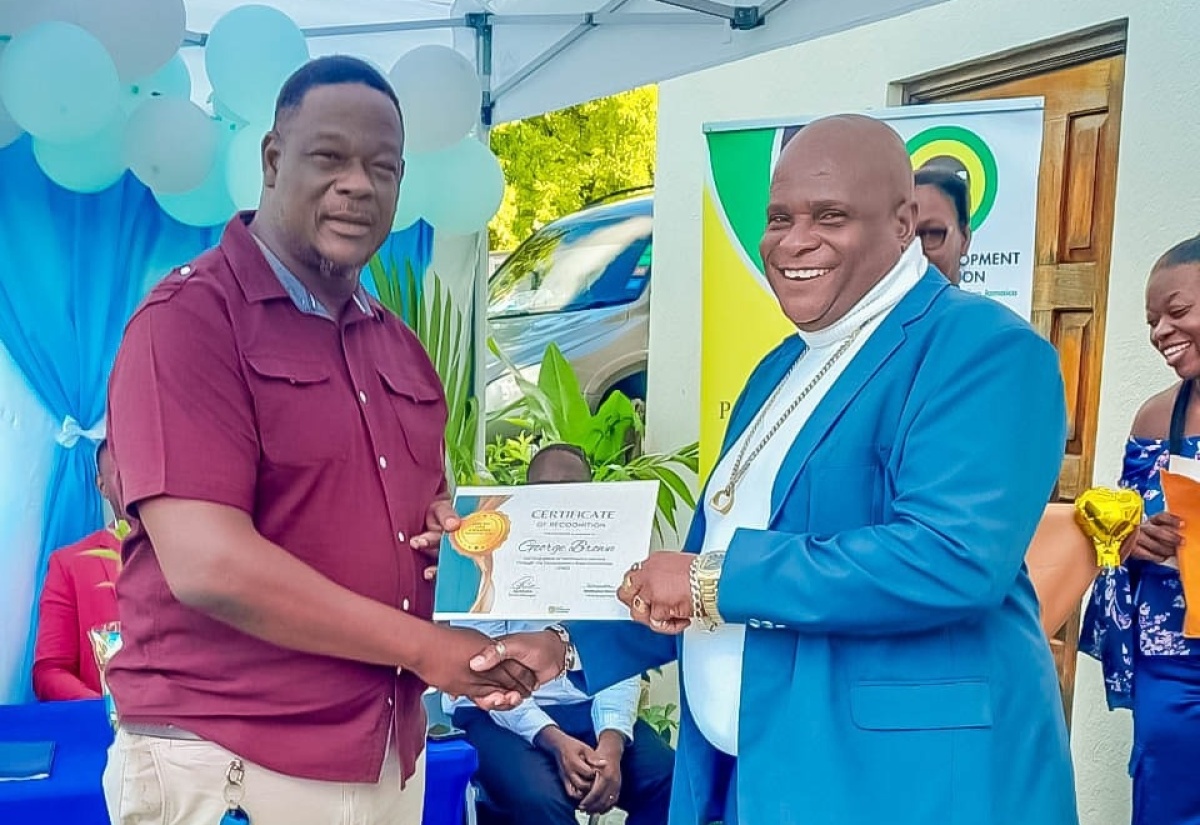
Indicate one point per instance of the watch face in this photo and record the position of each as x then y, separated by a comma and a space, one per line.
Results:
710, 562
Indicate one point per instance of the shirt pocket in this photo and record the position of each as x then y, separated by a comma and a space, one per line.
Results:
301, 419
421, 413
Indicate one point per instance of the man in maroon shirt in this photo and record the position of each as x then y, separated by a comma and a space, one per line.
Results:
279, 438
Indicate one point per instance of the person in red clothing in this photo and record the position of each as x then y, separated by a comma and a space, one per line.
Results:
78, 594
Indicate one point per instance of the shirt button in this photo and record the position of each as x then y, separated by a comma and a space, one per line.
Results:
400, 537
185, 270
382, 463
362, 396
391, 701
404, 605
754, 623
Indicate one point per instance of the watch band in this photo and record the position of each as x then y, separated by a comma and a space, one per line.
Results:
571, 657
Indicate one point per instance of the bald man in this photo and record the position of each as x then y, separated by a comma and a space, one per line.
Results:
858, 639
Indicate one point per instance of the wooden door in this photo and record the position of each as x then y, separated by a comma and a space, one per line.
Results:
1076, 192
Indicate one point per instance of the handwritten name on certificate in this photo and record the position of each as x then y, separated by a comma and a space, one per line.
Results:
543, 551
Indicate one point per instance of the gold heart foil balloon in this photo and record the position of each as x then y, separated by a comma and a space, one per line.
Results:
1108, 517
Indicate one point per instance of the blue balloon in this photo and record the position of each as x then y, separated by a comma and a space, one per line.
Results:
90, 165
58, 82
249, 53
172, 80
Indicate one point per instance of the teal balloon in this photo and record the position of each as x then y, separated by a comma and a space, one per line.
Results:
415, 188
172, 80
208, 204
10, 130
90, 165
243, 172
226, 116
467, 186
58, 82
249, 53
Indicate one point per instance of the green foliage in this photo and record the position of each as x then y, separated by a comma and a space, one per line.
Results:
444, 332
663, 718
507, 459
558, 162
554, 409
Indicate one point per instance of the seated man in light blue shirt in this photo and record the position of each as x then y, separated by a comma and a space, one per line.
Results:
561, 751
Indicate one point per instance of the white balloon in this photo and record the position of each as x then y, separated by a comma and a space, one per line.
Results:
439, 95
140, 35
16, 16
170, 144
243, 166
420, 178
466, 190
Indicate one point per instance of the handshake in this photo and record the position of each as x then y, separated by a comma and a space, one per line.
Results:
495, 674
499, 674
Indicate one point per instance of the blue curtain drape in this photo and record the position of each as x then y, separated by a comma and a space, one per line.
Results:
72, 269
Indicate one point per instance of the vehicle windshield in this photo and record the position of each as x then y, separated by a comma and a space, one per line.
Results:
582, 266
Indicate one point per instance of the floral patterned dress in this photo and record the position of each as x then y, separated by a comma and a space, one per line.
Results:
1137, 609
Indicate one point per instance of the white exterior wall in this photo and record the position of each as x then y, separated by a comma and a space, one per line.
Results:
1158, 204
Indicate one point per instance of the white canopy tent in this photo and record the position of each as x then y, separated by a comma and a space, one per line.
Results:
535, 56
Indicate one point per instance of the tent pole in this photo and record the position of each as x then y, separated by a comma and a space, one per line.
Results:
482, 25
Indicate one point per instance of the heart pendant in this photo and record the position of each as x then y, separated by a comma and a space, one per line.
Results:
1108, 517
722, 500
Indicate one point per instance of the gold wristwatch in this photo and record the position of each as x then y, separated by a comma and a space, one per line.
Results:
706, 576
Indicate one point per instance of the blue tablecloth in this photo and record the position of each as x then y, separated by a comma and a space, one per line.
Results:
80, 731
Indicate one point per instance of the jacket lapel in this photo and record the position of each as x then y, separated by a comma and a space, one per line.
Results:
869, 360
755, 395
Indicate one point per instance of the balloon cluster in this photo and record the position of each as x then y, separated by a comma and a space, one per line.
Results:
101, 89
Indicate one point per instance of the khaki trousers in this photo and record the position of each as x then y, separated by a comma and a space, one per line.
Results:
153, 781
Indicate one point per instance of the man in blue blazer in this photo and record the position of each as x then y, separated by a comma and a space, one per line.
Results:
860, 639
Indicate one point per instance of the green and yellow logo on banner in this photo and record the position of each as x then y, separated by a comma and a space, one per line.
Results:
964, 152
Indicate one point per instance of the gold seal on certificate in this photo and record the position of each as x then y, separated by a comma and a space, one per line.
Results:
482, 532
543, 551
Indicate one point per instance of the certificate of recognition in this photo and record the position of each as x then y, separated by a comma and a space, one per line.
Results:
543, 551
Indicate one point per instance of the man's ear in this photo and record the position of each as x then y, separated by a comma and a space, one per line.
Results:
271, 150
906, 222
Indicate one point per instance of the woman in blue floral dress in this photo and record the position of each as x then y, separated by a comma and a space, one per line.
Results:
1134, 620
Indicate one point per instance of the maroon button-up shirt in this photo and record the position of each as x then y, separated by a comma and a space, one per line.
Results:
330, 435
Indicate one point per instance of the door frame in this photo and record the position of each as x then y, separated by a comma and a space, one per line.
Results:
1059, 52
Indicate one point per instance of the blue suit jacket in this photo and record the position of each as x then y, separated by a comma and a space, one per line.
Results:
895, 669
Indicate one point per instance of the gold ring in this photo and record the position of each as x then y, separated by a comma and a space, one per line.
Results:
639, 604
501, 650
627, 584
